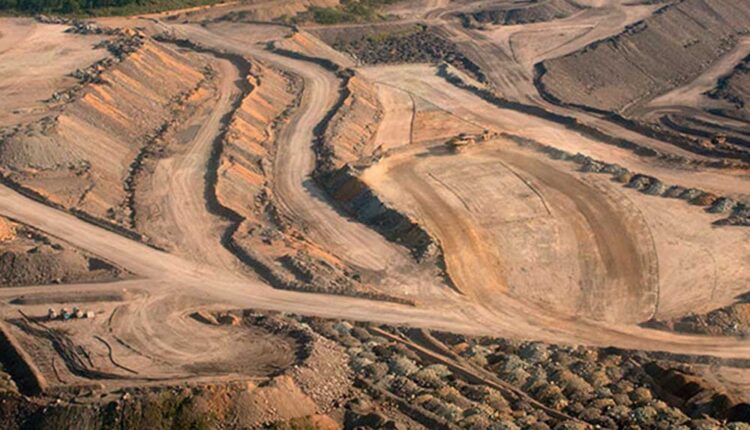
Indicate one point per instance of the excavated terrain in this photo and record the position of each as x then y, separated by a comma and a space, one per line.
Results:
677, 74
371, 376
83, 154
734, 89
28, 257
518, 13
244, 185
463, 215
652, 56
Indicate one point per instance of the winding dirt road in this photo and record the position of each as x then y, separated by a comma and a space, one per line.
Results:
624, 271
180, 179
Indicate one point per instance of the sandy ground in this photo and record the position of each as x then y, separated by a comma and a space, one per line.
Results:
396, 128
535, 249
424, 83
35, 61
178, 182
509, 221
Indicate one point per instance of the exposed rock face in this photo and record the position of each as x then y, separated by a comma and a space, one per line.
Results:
346, 187
650, 57
523, 13
406, 45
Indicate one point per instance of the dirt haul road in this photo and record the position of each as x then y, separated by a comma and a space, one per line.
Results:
170, 274
181, 178
295, 192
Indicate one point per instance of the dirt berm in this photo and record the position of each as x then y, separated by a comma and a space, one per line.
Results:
735, 89
29, 257
346, 143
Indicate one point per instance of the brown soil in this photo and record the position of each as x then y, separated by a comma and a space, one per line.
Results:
80, 155
29, 257
349, 136
205, 143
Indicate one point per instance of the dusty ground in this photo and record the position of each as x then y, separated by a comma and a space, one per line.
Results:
36, 61
214, 191
29, 257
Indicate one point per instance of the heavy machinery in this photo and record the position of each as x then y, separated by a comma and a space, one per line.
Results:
461, 141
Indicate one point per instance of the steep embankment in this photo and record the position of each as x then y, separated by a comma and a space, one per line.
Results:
346, 145
523, 13
249, 143
662, 52
82, 154
264, 237
349, 136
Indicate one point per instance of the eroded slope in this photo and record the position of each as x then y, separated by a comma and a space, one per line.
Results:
81, 155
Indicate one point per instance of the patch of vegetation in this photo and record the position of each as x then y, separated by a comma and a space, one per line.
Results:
95, 7
348, 11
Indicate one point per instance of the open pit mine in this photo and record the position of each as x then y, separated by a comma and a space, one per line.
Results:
375, 214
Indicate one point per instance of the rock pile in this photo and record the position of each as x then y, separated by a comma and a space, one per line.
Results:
51, 19
126, 43
82, 27
740, 216
420, 46
603, 388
